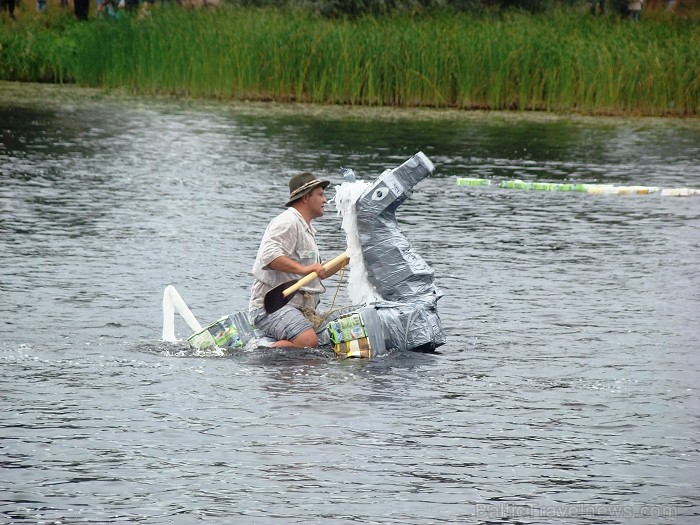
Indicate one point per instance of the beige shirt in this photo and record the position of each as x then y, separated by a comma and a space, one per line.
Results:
287, 234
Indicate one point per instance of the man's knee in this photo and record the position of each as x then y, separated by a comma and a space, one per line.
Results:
307, 338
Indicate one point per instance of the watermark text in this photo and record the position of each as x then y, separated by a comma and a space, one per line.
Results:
576, 510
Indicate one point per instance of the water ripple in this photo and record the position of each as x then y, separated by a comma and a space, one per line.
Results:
567, 388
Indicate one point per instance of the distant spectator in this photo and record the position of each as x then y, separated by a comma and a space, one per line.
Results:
635, 9
41, 6
81, 8
595, 5
619, 7
8, 5
111, 8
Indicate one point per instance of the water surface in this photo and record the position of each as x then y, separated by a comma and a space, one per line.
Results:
566, 393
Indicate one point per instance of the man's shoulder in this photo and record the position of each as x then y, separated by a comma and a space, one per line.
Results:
285, 221
288, 216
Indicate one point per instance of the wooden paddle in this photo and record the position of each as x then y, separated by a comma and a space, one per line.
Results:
280, 295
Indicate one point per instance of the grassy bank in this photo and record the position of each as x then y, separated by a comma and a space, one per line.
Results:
558, 61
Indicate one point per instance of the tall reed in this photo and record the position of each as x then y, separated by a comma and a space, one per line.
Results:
558, 61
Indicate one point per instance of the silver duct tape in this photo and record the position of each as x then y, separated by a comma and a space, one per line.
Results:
404, 280
411, 327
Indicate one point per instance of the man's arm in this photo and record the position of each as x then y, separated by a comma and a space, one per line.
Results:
289, 265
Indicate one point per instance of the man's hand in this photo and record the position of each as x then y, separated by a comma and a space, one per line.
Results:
318, 268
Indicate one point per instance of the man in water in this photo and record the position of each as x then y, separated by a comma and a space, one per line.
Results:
288, 251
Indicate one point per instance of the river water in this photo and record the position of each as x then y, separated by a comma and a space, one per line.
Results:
567, 391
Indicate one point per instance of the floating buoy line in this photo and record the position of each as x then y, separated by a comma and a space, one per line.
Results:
598, 189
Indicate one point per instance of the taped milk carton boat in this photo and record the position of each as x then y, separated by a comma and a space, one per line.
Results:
389, 282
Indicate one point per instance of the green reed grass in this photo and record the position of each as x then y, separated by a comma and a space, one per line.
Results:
558, 61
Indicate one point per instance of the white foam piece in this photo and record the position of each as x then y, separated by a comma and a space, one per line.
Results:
172, 302
360, 289
646, 189
600, 189
679, 192
633, 190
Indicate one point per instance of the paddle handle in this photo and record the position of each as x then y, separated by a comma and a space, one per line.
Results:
307, 279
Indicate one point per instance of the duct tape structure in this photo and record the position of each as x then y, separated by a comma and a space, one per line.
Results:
391, 286
392, 281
